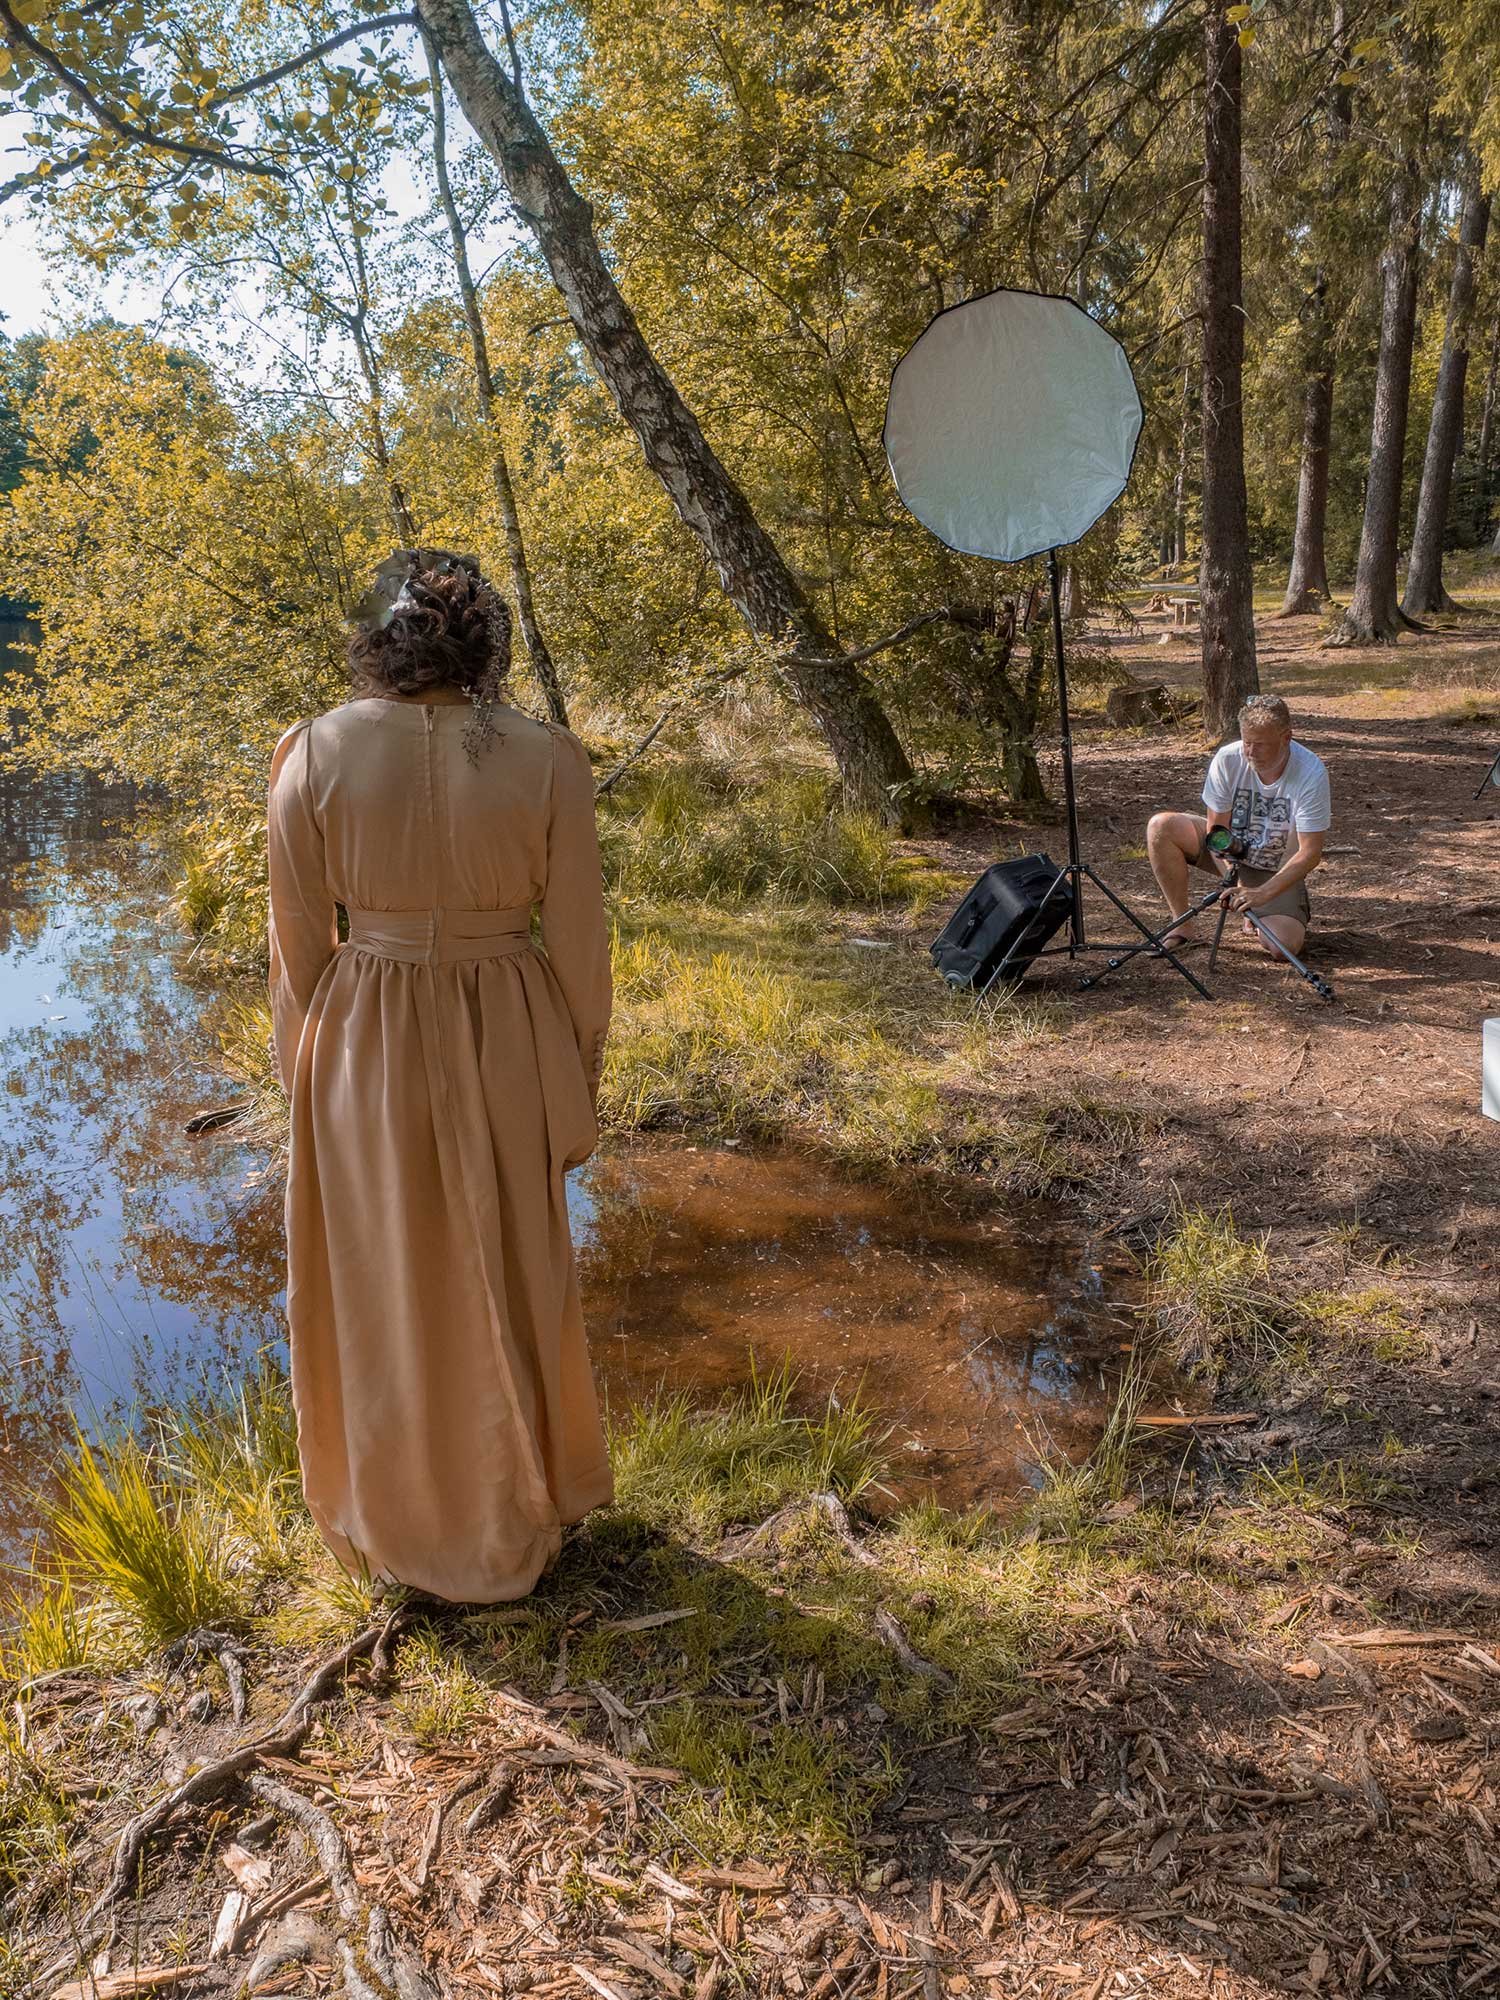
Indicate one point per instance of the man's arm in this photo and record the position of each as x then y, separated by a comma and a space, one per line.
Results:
1298, 865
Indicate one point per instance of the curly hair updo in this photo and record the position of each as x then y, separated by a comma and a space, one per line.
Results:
432, 620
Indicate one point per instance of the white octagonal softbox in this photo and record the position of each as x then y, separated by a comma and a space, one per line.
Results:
1011, 424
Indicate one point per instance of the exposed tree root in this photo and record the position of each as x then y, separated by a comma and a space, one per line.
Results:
891, 1633
285, 1740
379, 1967
220, 1646
770, 1531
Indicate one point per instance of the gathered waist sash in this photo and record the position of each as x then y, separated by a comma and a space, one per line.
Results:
439, 937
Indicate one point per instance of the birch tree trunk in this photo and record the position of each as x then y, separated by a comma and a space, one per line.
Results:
1225, 583
752, 570
1424, 576
1373, 614
537, 650
1307, 583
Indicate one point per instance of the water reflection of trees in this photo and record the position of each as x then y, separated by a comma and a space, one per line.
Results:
134, 1261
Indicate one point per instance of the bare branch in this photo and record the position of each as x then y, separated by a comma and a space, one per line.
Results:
323, 48
510, 43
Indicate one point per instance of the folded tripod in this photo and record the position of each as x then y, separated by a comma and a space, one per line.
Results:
1227, 880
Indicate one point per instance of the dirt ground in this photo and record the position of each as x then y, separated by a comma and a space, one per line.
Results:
1276, 1772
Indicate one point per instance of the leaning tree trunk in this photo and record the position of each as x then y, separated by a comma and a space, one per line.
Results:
1373, 614
1307, 584
1226, 609
1424, 575
537, 649
751, 568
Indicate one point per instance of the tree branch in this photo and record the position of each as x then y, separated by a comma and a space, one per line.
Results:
374, 26
20, 36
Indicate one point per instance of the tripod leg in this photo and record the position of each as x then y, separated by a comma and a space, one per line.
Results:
1320, 986
1062, 874
1163, 950
1213, 956
1152, 942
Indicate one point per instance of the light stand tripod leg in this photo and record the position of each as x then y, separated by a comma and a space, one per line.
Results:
1153, 939
1076, 937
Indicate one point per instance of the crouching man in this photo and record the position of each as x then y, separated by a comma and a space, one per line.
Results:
1273, 794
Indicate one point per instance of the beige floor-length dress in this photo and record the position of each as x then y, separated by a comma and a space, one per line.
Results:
441, 1071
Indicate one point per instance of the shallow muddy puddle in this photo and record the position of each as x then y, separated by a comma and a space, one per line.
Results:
139, 1264
986, 1344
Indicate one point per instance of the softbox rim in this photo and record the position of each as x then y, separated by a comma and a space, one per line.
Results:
961, 305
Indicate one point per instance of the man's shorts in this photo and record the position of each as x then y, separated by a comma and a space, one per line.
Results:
1293, 902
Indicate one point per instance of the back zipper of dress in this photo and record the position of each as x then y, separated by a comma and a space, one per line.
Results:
432, 914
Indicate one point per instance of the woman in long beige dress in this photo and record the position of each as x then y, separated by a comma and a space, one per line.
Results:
442, 1073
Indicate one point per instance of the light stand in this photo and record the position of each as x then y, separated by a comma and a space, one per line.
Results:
1075, 871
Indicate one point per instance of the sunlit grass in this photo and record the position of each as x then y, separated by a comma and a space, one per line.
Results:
732, 1046
679, 1464
239, 1454
439, 1696
698, 828
145, 1541
1209, 1288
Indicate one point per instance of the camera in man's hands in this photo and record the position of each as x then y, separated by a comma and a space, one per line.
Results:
1224, 841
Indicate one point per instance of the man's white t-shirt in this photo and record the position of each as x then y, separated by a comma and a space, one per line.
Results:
1268, 815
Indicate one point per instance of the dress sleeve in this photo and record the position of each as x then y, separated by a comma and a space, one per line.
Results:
303, 932
575, 929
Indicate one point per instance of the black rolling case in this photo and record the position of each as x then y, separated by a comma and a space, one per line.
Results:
1009, 909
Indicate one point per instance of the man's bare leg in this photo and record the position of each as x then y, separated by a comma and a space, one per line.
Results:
1173, 843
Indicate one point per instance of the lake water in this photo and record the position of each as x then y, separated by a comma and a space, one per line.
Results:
138, 1264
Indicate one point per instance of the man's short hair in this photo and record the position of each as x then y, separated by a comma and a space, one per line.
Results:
1264, 708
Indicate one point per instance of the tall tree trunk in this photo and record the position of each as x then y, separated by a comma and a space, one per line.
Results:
753, 572
1424, 576
1486, 432
537, 649
1179, 485
1373, 613
1307, 584
1225, 583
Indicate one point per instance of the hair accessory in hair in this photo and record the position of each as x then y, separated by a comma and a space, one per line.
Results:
391, 592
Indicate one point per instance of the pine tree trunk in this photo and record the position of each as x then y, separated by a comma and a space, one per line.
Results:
1424, 576
1486, 432
752, 570
1225, 584
537, 650
1307, 584
1373, 614
1179, 487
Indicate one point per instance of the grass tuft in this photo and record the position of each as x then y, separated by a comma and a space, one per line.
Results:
697, 828
732, 1046
143, 1540
1209, 1290
677, 1464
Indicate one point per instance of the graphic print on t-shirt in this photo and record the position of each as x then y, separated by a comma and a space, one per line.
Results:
1264, 819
